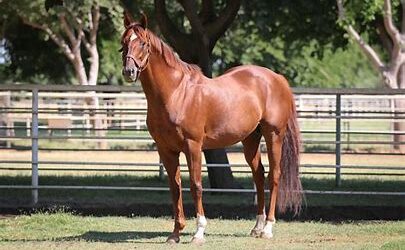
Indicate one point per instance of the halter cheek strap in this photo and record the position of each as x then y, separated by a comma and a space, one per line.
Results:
144, 63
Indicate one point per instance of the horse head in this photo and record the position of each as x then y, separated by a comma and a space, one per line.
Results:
135, 47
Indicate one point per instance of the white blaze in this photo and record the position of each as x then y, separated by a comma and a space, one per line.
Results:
133, 37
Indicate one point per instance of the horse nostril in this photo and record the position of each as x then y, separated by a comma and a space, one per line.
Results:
129, 71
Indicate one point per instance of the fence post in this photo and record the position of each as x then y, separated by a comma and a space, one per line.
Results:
338, 140
161, 170
34, 147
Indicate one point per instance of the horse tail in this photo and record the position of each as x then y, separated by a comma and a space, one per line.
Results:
290, 193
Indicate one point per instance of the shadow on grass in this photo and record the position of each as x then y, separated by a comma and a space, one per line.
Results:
144, 237
115, 237
135, 236
129, 200
109, 237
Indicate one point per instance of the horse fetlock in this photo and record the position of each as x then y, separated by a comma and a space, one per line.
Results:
201, 221
201, 224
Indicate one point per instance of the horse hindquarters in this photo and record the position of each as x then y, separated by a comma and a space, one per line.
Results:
283, 152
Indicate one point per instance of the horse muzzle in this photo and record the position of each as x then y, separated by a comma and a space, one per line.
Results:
131, 74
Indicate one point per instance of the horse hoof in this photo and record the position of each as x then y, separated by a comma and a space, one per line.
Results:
265, 235
256, 232
197, 241
173, 239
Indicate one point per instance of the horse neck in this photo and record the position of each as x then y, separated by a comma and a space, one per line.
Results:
159, 80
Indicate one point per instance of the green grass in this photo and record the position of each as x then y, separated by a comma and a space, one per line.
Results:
62, 230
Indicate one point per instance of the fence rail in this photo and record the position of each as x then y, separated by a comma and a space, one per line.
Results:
324, 104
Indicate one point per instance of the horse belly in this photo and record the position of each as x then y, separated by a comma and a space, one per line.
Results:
229, 133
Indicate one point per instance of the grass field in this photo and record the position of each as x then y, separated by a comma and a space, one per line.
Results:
62, 230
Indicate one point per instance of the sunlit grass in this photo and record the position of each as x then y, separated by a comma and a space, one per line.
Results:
66, 230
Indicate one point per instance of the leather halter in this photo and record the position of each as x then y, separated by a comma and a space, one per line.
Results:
141, 66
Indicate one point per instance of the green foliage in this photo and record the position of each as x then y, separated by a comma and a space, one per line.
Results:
365, 15
32, 59
342, 68
299, 39
35, 58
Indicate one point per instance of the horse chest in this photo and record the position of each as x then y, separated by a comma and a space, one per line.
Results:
166, 132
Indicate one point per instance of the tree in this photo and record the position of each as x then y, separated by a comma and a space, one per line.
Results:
73, 26
392, 40
30, 58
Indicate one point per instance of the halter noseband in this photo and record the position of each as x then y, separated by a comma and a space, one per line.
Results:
140, 66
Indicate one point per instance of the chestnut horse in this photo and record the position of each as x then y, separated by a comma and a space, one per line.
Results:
188, 112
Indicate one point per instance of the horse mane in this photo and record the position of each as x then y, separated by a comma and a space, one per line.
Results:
171, 57
168, 54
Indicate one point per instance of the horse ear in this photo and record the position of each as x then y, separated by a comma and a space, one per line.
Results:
144, 20
128, 19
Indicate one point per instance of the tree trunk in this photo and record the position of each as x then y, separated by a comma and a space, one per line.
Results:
95, 102
219, 177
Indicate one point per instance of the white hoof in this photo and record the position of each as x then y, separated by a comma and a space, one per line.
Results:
260, 223
267, 232
255, 232
265, 235
197, 241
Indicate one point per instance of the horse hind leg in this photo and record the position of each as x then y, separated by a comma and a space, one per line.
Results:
251, 149
274, 141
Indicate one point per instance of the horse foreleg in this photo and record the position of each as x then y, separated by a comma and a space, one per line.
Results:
193, 156
171, 163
